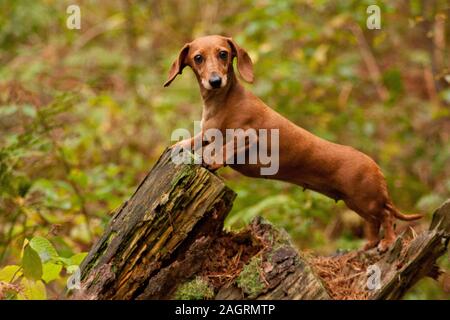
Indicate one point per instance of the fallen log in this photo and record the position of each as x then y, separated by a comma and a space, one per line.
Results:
167, 242
157, 237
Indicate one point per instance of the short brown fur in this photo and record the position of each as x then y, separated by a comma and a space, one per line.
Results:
337, 171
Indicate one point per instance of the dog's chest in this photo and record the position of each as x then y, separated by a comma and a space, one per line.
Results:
213, 122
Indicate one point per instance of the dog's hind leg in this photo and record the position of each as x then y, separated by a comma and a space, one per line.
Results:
389, 232
372, 231
370, 212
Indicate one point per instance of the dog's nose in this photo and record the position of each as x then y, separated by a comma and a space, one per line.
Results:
215, 81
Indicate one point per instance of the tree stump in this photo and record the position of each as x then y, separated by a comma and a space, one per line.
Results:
167, 242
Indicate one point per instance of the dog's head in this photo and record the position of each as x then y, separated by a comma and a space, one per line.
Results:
211, 59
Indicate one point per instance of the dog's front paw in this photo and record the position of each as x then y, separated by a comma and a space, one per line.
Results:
370, 245
212, 166
384, 245
211, 163
182, 145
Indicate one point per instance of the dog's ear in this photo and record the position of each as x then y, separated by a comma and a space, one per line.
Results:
178, 65
244, 63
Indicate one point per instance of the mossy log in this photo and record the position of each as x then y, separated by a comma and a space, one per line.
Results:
167, 242
157, 237
413, 257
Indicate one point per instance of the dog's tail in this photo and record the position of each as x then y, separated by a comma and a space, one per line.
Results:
401, 216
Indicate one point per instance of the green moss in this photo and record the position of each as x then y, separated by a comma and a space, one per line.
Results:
111, 237
94, 260
197, 289
249, 280
276, 236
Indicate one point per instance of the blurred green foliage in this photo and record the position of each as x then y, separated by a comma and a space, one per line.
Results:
83, 115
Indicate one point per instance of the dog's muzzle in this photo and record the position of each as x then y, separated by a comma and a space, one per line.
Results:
215, 81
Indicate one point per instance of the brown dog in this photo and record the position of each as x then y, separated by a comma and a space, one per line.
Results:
337, 171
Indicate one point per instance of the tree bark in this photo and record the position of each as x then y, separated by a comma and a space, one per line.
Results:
156, 239
167, 242
413, 257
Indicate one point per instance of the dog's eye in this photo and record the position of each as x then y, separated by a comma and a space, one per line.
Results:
223, 55
198, 58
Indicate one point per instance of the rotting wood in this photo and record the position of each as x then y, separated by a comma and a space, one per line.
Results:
175, 211
167, 241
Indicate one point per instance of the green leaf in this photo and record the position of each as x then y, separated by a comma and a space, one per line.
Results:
51, 271
79, 177
429, 202
44, 248
249, 213
29, 111
31, 263
445, 94
393, 81
71, 269
8, 272
8, 110
78, 258
65, 261
32, 290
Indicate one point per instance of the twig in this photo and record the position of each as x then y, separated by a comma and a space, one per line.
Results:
369, 60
